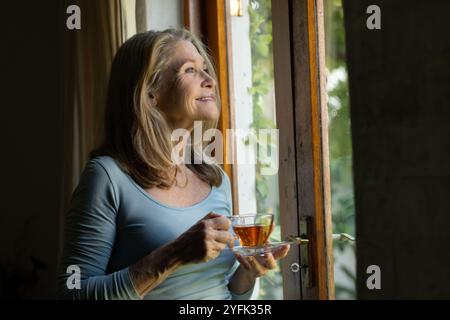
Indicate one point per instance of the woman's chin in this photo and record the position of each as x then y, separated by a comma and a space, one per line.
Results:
207, 116
207, 111
212, 118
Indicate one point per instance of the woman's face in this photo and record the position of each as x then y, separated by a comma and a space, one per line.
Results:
187, 91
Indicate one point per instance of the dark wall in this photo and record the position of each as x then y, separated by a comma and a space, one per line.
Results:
31, 147
400, 112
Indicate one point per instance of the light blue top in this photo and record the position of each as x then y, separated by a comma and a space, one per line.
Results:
113, 222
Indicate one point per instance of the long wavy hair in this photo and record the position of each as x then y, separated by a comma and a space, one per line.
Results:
137, 134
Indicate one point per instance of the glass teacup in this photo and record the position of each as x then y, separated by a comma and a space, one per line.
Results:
253, 230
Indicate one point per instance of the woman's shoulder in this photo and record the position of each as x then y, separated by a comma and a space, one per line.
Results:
105, 165
103, 161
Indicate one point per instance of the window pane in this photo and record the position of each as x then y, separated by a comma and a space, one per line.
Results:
252, 58
163, 14
340, 147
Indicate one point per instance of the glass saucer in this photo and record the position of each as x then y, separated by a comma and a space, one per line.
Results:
259, 251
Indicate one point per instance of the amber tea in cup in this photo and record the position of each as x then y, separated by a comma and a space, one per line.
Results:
253, 230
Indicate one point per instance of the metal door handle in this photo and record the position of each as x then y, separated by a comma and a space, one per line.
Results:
298, 240
344, 237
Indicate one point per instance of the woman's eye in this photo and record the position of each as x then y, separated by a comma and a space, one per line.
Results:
206, 70
190, 70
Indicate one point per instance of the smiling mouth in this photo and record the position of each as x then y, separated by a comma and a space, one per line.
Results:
206, 99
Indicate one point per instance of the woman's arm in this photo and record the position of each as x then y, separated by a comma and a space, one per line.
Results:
153, 269
90, 232
242, 281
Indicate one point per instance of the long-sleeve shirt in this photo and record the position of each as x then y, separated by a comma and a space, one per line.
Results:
113, 222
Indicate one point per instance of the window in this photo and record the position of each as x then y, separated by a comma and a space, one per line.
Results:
271, 62
158, 14
342, 198
254, 105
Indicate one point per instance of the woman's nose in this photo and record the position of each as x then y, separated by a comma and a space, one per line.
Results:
208, 81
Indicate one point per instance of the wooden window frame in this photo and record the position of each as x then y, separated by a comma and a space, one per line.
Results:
299, 69
299, 64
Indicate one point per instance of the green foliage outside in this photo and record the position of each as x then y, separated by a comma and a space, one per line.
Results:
262, 76
260, 13
342, 198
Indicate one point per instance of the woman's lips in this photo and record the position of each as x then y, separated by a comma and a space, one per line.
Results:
205, 99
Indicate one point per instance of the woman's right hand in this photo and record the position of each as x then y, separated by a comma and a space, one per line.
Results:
204, 240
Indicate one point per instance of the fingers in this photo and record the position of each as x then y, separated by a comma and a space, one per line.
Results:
259, 269
267, 261
211, 254
258, 265
234, 241
281, 252
217, 221
243, 261
221, 236
217, 234
211, 215
220, 223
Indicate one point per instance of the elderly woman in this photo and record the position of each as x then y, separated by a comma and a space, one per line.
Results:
140, 224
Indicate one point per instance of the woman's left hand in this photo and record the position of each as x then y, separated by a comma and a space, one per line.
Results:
258, 266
